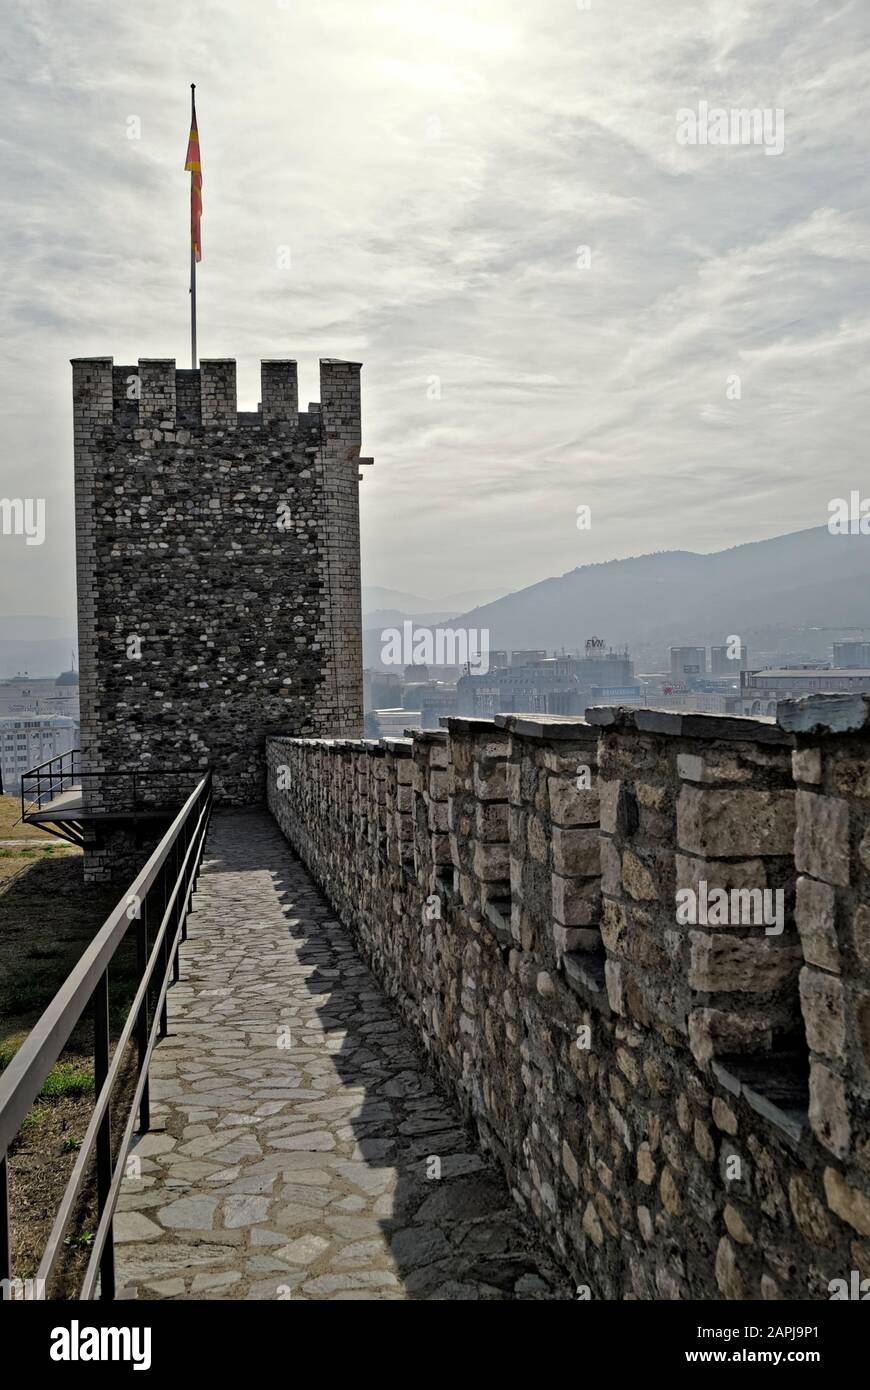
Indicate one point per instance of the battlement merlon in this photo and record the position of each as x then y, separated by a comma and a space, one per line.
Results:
340, 408
279, 392
156, 395
92, 394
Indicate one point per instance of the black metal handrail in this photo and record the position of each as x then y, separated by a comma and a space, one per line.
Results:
161, 892
52, 778
46, 771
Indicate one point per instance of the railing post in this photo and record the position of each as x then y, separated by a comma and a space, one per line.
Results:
142, 1021
164, 949
188, 874
5, 1257
178, 909
104, 1137
198, 855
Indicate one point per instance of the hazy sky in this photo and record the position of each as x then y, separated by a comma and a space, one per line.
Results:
433, 166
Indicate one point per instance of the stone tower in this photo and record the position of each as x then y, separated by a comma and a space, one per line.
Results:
218, 567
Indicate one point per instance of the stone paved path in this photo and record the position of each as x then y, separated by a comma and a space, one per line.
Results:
303, 1136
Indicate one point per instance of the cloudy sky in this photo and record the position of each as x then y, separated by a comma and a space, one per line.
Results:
433, 167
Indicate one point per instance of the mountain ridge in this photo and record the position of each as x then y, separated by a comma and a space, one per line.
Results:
668, 597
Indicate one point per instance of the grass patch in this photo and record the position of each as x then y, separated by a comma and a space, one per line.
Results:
83, 1239
11, 827
67, 1079
64, 1079
48, 916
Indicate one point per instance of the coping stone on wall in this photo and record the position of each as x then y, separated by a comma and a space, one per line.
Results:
555, 726
825, 714
719, 727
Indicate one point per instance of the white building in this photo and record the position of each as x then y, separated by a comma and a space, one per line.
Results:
761, 690
42, 695
28, 740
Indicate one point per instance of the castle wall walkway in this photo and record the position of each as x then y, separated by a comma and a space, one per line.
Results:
299, 1148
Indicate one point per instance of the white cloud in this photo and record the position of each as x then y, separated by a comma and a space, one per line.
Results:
434, 166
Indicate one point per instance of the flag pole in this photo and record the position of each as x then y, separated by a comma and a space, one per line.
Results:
192, 261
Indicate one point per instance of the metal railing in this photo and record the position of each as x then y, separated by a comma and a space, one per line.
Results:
127, 791
160, 895
54, 773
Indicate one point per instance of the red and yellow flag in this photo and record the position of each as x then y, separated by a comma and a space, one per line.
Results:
195, 167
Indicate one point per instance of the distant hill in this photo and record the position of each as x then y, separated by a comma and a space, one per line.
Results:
376, 600
786, 585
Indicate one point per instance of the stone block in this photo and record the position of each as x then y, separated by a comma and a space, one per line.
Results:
725, 964
491, 820
822, 1005
829, 1115
576, 903
806, 765
738, 823
821, 846
611, 867
851, 1205
715, 1032
608, 796
492, 862
490, 781
714, 765
815, 907
575, 852
637, 879
690, 871
570, 805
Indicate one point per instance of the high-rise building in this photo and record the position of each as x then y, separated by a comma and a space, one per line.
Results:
688, 663
851, 655
722, 664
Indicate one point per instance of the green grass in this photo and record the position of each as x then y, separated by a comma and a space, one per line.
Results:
67, 1079
83, 1239
64, 1079
28, 852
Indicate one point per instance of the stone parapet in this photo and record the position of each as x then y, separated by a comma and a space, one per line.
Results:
591, 924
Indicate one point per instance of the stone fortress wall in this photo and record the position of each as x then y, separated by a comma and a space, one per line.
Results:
218, 570
681, 1105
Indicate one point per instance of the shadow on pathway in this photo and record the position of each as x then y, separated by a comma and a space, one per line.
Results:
307, 1152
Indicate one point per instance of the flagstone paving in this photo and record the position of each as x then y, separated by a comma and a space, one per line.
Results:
299, 1149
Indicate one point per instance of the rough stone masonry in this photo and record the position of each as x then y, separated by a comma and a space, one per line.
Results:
218, 573
683, 1108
